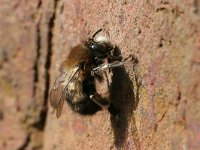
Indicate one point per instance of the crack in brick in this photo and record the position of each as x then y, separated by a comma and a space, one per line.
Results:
196, 6
35, 79
38, 48
163, 115
43, 114
40, 124
25, 144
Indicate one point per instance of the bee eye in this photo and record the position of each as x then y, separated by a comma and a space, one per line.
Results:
94, 46
98, 48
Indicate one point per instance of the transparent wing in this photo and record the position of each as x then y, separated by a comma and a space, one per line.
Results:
58, 92
59, 108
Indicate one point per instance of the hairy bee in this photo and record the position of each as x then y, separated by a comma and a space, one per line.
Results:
85, 68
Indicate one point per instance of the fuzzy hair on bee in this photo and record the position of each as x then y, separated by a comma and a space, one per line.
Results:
85, 78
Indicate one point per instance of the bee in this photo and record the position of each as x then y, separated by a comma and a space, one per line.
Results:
83, 75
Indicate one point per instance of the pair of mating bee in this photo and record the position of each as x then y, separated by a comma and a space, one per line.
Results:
84, 79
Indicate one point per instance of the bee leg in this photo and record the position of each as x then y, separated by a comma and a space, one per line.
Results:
112, 110
106, 66
96, 99
131, 58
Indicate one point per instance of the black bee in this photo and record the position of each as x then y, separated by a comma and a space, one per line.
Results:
82, 74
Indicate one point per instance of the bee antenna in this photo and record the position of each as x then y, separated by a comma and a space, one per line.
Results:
96, 33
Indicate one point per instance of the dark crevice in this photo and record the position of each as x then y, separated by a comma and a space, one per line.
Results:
1, 115
38, 43
163, 115
196, 6
25, 144
36, 74
38, 47
43, 114
39, 4
39, 125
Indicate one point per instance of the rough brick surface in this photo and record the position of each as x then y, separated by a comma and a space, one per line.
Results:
24, 63
158, 98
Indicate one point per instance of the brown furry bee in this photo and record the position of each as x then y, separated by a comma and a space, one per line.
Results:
86, 66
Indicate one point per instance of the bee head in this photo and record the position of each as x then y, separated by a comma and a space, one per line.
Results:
99, 46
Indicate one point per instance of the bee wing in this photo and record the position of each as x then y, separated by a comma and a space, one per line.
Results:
59, 108
57, 93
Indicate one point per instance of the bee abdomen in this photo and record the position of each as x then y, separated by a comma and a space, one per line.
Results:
77, 96
84, 106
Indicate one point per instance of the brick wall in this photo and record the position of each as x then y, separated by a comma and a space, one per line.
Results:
159, 98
